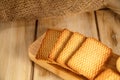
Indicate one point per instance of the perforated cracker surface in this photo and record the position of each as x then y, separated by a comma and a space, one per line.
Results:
108, 75
48, 43
73, 44
61, 42
90, 58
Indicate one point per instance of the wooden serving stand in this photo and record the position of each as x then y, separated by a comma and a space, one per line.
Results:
59, 71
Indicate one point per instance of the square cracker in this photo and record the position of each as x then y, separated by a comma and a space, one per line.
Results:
90, 58
59, 45
47, 44
108, 74
72, 45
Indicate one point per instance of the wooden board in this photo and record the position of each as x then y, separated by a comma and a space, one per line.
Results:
15, 37
59, 71
83, 23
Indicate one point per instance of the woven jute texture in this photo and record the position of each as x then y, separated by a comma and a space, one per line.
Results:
33, 9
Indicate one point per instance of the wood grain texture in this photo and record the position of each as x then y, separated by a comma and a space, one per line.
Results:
109, 29
15, 37
82, 23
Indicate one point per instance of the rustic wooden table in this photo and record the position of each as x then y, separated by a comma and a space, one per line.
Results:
15, 37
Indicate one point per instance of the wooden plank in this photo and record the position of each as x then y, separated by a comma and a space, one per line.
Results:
83, 23
15, 37
109, 28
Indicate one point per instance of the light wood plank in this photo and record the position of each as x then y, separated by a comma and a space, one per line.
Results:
15, 37
109, 28
83, 23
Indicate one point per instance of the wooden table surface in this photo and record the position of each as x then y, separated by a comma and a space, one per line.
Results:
15, 38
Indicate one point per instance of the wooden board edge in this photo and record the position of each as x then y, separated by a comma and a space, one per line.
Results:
59, 71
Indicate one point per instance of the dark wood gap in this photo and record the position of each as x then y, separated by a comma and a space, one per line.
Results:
104, 9
35, 37
32, 71
36, 28
97, 27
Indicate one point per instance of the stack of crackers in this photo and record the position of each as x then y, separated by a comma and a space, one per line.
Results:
82, 55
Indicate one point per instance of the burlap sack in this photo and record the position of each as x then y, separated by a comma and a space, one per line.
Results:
35, 9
